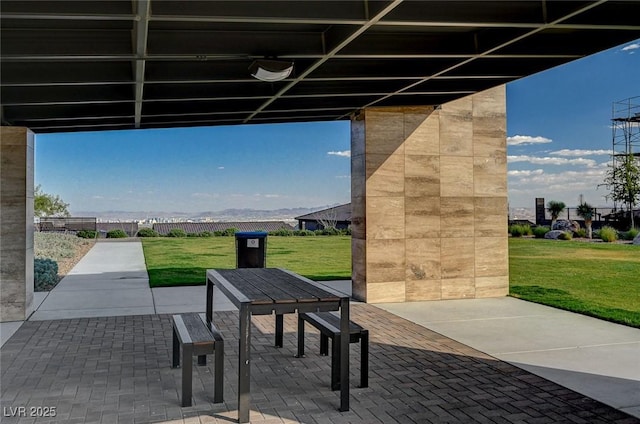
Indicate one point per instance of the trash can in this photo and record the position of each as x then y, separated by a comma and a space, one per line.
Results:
251, 249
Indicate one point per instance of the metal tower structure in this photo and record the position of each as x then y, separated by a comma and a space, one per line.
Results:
625, 124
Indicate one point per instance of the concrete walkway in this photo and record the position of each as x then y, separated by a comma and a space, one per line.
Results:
111, 280
591, 356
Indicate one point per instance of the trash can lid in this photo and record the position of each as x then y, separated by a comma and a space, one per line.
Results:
251, 234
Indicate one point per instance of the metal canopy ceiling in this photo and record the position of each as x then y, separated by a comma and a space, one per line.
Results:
105, 65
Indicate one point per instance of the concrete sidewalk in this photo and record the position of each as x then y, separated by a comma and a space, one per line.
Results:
111, 280
591, 356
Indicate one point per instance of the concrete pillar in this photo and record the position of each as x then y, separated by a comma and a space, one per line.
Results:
16, 223
429, 201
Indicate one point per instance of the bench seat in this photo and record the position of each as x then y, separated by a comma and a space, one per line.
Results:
195, 338
328, 323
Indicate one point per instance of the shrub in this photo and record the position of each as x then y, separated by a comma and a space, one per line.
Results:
629, 235
229, 232
346, 231
87, 234
608, 234
147, 232
45, 274
218, 233
328, 232
57, 246
192, 235
176, 232
518, 230
206, 234
582, 232
304, 233
540, 231
282, 232
567, 235
117, 234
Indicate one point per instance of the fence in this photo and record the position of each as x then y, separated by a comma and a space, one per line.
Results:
66, 224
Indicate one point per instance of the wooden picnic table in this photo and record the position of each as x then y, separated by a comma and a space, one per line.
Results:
267, 291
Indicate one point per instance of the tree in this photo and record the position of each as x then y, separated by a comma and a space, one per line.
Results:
555, 209
48, 205
585, 211
623, 180
328, 218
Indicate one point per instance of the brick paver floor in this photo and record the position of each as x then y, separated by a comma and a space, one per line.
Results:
117, 370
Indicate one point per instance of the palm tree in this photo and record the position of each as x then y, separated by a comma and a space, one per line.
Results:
555, 209
585, 211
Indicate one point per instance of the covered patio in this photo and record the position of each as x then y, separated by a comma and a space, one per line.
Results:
421, 82
423, 86
117, 369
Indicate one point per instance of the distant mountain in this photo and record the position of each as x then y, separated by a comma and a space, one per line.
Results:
233, 214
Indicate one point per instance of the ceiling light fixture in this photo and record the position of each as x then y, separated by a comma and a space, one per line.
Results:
270, 70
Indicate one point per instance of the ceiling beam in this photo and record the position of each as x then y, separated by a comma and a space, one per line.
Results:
307, 21
67, 17
140, 35
388, 23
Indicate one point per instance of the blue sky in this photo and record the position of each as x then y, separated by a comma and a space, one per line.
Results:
558, 127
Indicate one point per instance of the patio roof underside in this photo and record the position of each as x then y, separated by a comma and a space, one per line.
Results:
106, 65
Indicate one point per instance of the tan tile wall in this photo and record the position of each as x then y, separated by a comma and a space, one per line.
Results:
16, 223
429, 201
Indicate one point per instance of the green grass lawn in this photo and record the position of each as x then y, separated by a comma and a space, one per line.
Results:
597, 279
184, 261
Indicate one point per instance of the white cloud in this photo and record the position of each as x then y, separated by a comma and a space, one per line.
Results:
567, 183
631, 47
525, 172
578, 152
520, 140
205, 195
221, 167
551, 160
97, 197
343, 176
343, 153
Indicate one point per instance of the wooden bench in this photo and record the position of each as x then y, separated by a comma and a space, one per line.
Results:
329, 325
195, 338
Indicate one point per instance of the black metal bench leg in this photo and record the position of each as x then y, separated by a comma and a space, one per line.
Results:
300, 338
324, 345
335, 363
364, 359
218, 385
279, 329
187, 355
175, 358
202, 360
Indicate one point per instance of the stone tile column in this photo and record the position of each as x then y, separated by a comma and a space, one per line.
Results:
429, 201
16, 223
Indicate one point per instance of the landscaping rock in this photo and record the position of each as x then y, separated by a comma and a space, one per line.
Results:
553, 234
566, 225
636, 240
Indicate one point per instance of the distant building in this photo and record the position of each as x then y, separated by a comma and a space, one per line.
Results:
337, 216
199, 227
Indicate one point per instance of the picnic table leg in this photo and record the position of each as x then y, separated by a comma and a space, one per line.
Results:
209, 312
244, 365
344, 354
300, 338
187, 373
279, 329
